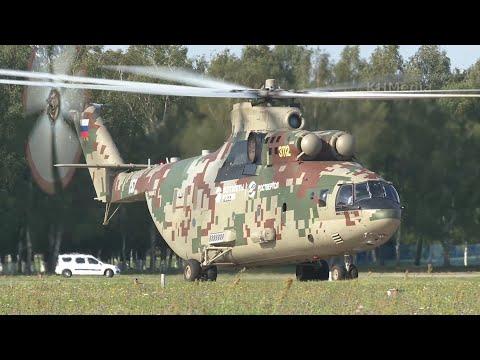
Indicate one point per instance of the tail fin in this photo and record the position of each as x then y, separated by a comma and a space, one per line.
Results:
99, 149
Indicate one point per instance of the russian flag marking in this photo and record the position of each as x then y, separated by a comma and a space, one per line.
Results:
84, 128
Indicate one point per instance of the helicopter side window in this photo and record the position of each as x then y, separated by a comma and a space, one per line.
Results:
322, 198
243, 158
345, 196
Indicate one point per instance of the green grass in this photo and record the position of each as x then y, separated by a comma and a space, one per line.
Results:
243, 294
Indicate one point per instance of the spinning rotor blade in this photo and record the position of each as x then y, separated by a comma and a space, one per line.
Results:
62, 59
62, 62
369, 95
35, 99
176, 90
178, 75
51, 139
137, 87
40, 154
66, 148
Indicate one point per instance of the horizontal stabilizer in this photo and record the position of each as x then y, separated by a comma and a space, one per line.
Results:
105, 166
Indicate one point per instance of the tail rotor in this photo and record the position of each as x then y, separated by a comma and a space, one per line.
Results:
53, 138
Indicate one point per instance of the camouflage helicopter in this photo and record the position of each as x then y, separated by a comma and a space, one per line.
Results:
272, 194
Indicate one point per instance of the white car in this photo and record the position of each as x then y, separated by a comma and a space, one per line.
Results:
80, 264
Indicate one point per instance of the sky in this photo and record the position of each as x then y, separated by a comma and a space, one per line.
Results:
461, 56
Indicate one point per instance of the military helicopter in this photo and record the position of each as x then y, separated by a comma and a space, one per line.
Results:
272, 194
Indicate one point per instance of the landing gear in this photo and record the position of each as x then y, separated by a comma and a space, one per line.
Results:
210, 274
316, 271
193, 271
348, 271
352, 271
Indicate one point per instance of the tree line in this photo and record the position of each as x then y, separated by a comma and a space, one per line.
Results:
427, 148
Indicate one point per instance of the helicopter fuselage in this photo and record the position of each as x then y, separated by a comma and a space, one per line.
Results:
265, 209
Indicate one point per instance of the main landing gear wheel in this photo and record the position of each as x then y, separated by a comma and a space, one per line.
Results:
304, 272
211, 273
317, 271
192, 270
322, 273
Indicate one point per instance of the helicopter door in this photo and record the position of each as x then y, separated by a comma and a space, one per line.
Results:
320, 199
345, 205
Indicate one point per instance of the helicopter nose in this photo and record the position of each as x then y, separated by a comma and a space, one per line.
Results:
383, 220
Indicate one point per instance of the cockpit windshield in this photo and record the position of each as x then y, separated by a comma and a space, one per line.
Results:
366, 190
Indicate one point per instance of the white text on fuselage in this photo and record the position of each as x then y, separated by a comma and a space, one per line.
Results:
252, 188
228, 193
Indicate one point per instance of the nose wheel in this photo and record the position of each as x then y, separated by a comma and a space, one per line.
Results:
345, 272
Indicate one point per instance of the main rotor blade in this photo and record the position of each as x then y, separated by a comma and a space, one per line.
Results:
178, 75
176, 90
368, 95
142, 88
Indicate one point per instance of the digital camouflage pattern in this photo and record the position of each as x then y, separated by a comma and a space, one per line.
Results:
267, 213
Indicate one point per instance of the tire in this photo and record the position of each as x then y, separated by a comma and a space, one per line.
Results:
322, 273
67, 273
353, 273
211, 273
338, 272
304, 273
191, 271
109, 273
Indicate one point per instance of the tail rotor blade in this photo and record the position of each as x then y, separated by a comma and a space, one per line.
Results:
62, 59
35, 98
67, 150
40, 154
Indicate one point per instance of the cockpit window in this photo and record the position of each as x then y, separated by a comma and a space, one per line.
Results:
391, 193
345, 196
364, 191
361, 192
375, 189
322, 198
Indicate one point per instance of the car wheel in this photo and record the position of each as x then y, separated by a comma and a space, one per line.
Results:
67, 273
108, 273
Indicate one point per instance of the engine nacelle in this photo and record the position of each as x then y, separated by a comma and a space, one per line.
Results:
308, 144
343, 145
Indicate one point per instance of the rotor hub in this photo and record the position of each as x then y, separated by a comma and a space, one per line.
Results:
53, 101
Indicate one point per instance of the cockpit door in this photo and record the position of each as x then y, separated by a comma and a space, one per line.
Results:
345, 205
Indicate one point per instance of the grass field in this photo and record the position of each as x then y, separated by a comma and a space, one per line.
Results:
239, 294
